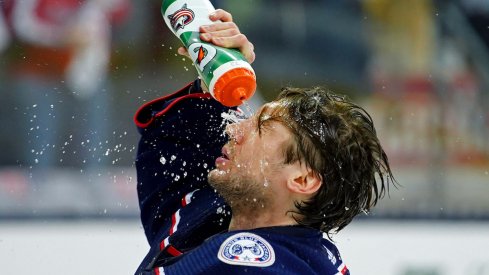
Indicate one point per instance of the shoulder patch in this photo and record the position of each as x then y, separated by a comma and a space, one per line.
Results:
246, 249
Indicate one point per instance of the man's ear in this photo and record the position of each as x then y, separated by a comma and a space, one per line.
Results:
304, 182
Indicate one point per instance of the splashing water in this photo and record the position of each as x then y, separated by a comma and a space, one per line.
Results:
232, 116
219, 210
248, 109
236, 116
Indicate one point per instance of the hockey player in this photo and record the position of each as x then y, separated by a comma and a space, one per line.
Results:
264, 197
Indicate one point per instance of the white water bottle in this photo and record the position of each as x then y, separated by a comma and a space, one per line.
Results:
230, 78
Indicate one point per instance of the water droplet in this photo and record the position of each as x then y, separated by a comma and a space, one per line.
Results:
162, 160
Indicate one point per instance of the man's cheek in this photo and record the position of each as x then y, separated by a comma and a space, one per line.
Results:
243, 167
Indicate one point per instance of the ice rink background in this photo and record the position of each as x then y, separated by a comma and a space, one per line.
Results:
369, 248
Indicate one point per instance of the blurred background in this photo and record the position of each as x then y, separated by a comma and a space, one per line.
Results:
73, 73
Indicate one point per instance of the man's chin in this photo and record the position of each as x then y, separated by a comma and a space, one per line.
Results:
217, 175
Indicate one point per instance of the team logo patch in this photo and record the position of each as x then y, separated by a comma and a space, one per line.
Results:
201, 54
246, 249
182, 17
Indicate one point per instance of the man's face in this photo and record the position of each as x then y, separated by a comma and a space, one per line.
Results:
250, 172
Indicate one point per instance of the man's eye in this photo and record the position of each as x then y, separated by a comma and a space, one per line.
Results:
262, 121
259, 124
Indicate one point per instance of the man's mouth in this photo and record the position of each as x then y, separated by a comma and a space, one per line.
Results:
223, 159
225, 153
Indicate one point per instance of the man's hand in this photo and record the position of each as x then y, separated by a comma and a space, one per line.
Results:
224, 34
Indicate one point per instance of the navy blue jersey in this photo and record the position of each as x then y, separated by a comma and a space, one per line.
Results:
186, 221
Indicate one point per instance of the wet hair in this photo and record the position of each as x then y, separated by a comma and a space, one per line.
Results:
337, 140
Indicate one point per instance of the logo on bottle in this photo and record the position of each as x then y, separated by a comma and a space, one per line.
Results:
180, 18
201, 54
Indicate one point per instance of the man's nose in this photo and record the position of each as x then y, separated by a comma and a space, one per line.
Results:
235, 132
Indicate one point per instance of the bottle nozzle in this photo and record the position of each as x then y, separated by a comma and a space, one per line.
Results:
240, 94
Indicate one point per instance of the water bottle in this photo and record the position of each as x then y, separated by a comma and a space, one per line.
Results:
227, 74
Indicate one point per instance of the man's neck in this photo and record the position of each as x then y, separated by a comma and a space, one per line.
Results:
251, 220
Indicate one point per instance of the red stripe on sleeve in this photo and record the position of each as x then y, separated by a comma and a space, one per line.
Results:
173, 221
173, 251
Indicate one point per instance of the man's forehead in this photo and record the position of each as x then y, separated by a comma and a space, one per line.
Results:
271, 117
269, 108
